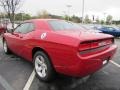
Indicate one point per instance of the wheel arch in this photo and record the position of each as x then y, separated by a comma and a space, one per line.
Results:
35, 49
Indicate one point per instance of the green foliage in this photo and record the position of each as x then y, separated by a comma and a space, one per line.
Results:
66, 17
109, 19
55, 16
76, 19
97, 20
116, 22
2, 15
22, 17
43, 14
102, 22
87, 20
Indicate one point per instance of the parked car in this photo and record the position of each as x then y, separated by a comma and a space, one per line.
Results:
2, 29
110, 30
58, 46
91, 28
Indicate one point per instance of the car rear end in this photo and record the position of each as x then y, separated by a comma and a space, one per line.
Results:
82, 53
92, 55
97, 53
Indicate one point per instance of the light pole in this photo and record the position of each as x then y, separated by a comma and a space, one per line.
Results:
69, 6
83, 7
104, 17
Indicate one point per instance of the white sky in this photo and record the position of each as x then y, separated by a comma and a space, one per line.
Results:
58, 7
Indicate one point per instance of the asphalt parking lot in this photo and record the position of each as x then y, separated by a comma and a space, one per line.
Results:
18, 74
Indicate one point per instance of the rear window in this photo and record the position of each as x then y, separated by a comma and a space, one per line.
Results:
64, 25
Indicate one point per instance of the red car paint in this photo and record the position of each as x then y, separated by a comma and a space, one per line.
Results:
2, 30
72, 52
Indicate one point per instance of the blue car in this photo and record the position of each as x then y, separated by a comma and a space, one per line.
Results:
109, 30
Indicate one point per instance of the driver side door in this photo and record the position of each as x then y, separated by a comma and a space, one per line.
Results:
18, 35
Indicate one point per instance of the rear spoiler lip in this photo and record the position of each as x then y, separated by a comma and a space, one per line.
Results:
93, 49
89, 41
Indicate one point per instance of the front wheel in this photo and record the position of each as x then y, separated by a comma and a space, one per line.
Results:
43, 66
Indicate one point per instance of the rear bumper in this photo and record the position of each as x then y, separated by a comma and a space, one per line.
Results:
88, 65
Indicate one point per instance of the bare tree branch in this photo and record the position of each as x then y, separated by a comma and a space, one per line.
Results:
10, 7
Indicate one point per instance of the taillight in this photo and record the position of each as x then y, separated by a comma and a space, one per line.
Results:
84, 46
94, 44
110, 41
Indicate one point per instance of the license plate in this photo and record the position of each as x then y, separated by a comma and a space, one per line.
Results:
105, 62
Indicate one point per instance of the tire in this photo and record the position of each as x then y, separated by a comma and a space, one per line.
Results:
43, 67
5, 47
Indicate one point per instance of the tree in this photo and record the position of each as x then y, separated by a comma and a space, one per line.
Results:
2, 15
97, 20
109, 19
55, 16
43, 14
10, 7
102, 22
87, 20
22, 16
76, 19
116, 22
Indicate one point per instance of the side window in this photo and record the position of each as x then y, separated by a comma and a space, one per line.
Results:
30, 27
25, 28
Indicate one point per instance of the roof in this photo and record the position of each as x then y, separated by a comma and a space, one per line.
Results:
34, 20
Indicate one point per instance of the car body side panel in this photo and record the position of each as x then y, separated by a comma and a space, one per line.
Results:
12, 42
51, 44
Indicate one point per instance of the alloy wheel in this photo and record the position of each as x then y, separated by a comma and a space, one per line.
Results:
40, 66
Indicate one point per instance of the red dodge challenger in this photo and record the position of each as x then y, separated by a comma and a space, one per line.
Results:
59, 46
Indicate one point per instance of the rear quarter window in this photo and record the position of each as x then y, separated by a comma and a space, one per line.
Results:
64, 25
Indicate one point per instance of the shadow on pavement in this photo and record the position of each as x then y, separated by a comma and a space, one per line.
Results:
93, 82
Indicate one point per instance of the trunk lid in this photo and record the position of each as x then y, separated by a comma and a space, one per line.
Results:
84, 35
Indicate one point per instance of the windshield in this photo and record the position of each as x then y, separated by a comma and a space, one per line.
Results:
64, 25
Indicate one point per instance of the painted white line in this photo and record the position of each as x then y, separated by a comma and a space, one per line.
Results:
30, 80
105, 72
5, 84
116, 64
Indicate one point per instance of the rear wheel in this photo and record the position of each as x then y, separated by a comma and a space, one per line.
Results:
5, 47
43, 66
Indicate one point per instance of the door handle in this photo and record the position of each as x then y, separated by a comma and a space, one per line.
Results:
21, 37
17, 35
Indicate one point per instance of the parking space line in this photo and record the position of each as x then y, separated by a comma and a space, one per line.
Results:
105, 72
116, 64
5, 84
30, 80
